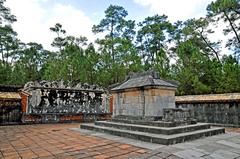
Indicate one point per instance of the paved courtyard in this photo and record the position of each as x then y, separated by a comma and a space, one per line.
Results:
68, 141
58, 141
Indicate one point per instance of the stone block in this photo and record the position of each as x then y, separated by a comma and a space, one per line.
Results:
189, 154
154, 138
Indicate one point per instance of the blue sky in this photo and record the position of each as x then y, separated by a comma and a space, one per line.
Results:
35, 17
96, 10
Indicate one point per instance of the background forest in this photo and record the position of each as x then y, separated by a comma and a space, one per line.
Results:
182, 51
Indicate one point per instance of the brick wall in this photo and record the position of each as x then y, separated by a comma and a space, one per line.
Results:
24, 99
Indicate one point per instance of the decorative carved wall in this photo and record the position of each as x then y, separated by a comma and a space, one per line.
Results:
56, 98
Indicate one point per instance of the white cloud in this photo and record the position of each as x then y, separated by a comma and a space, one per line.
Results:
186, 9
176, 9
35, 19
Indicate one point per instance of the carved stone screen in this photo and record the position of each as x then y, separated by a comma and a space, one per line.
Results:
59, 99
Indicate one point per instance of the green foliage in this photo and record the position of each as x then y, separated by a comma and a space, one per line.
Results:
5, 14
190, 67
152, 41
59, 41
230, 75
229, 12
182, 51
118, 53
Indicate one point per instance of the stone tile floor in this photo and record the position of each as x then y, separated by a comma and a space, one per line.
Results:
68, 141
58, 141
223, 146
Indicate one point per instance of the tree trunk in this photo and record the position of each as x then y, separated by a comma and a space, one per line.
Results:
231, 24
214, 51
112, 49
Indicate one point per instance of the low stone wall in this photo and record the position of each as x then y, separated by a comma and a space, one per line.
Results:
10, 111
219, 109
10, 105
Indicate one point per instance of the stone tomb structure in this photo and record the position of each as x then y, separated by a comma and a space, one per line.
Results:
143, 95
144, 109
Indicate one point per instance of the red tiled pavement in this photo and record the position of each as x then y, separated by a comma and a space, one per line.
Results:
237, 130
57, 141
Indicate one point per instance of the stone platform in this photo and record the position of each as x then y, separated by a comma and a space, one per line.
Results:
160, 132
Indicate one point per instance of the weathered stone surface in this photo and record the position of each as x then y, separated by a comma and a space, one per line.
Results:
207, 146
154, 138
221, 109
189, 154
154, 105
143, 94
226, 154
59, 102
137, 101
154, 129
229, 143
149, 78
55, 97
178, 115
150, 121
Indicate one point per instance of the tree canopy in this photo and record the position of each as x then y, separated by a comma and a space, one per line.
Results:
181, 51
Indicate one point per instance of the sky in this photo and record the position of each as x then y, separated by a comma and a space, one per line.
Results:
35, 17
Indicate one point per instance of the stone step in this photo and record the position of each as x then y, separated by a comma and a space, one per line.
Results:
154, 129
150, 123
155, 138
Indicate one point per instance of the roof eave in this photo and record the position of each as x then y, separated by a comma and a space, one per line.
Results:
151, 86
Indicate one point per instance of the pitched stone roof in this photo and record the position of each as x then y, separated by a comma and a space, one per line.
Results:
142, 80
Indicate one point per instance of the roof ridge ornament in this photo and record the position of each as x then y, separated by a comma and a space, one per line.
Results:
155, 74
